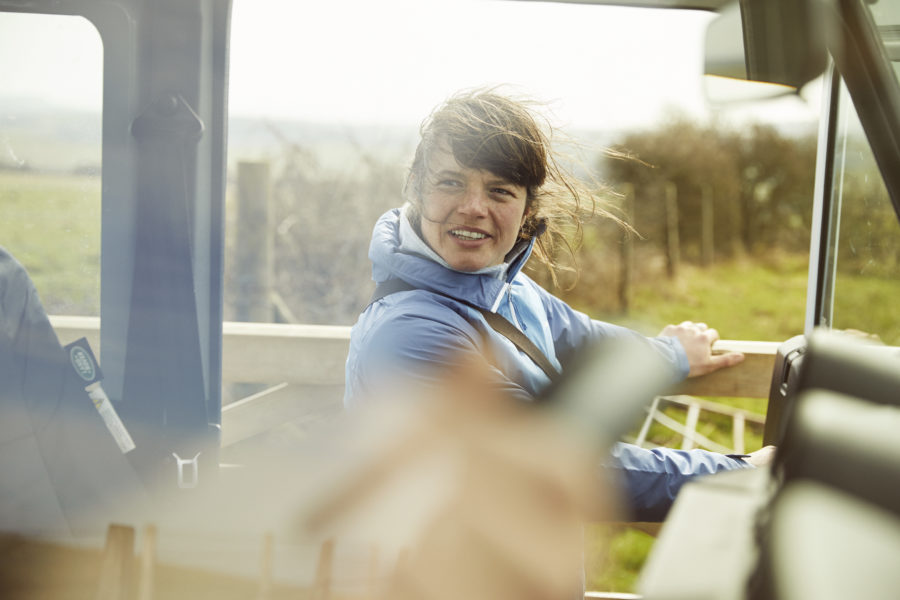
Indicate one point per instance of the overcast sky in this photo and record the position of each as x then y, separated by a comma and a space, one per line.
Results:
360, 61
395, 60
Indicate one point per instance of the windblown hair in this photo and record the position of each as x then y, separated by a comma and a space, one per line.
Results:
488, 131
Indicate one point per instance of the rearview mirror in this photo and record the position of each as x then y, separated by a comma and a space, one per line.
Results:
772, 41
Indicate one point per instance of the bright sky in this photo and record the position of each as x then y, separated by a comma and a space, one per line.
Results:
394, 60
57, 59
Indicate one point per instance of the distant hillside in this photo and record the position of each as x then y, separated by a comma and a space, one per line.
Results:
42, 138
34, 136
330, 145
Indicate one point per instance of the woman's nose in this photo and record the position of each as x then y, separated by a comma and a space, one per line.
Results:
474, 202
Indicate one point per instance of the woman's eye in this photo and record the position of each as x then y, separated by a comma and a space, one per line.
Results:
449, 183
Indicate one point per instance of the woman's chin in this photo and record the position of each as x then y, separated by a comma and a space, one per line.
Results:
467, 266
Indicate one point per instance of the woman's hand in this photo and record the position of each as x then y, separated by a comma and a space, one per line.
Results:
762, 457
698, 339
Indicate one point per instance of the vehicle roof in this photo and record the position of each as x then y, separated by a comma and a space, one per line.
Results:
682, 4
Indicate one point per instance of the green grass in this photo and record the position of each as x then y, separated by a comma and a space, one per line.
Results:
614, 556
868, 304
51, 224
743, 299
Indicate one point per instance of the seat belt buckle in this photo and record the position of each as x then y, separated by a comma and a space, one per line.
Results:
190, 476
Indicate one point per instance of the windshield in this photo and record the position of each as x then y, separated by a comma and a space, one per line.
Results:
863, 266
887, 17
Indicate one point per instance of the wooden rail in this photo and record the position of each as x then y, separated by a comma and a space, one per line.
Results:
255, 352
691, 438
303, 365
750, 379
315, 355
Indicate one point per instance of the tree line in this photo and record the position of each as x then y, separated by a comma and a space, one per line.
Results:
735, 192
756, 182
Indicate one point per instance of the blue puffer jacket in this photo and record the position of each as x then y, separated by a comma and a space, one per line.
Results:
411, 336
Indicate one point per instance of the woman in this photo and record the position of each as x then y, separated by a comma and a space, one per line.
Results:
484, 193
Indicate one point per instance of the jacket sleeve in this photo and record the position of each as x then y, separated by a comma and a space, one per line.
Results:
404, 349
651, 479
572, 329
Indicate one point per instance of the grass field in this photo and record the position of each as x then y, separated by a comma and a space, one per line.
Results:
52, 225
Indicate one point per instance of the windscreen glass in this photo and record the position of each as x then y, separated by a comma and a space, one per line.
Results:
51, 69
865, 252
865, 263
324, 117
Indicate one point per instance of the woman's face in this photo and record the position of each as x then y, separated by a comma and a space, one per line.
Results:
471, 218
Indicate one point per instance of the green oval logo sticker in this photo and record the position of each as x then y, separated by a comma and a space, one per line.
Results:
82, 362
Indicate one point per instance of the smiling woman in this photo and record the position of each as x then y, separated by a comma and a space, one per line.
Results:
482, 192
485, 177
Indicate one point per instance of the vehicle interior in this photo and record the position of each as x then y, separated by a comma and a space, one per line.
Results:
213, 378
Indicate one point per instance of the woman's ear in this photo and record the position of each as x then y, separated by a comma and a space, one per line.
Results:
523, 231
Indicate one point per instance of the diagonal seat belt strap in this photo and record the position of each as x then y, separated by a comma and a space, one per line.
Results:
499, 323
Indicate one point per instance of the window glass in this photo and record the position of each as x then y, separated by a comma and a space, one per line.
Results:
327, 103
50, 153
333, 118
866, 265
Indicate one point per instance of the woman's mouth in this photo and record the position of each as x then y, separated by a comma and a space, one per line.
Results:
464, 234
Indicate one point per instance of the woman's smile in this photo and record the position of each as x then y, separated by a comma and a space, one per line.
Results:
468, 235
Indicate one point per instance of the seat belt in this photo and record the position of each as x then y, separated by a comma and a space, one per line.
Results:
499, 323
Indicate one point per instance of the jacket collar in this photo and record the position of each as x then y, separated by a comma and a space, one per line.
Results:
396, 255
411, 241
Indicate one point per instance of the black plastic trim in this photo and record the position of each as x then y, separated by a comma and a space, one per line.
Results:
869, 76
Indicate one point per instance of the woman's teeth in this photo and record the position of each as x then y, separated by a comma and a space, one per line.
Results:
468, 235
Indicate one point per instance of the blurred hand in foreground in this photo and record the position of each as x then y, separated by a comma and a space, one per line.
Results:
509, 523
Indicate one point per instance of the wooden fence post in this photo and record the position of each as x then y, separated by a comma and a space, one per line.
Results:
253, 251
690, 426
673, 244
118, 562
265, 567
373, 584
707, 223
626, 257
147, 566
737, 429
322, 586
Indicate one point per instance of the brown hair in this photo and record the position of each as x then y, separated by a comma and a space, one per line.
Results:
489, 131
